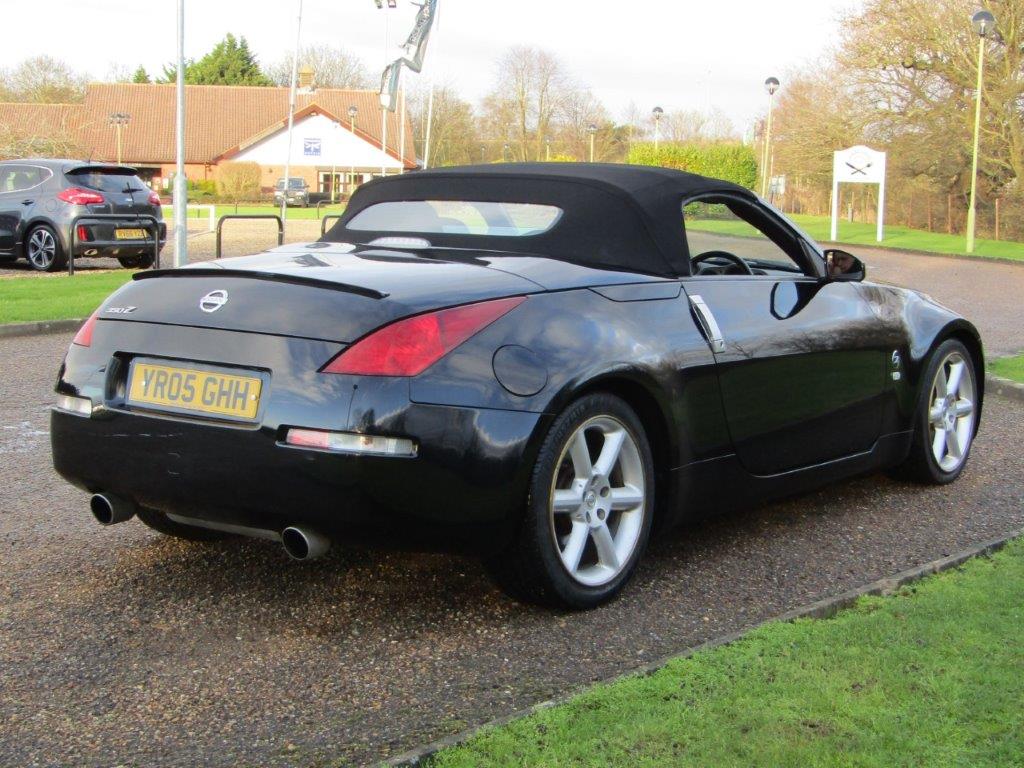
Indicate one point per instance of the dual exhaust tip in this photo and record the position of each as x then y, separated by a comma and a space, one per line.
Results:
299, 542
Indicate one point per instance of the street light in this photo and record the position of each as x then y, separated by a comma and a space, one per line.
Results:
117, 119
771, 85
592, 130
504, 153
482, 154
352, 112
391, 5
547, 149
658, 113
984, 24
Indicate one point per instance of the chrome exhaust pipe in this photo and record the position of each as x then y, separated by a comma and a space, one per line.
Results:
110, 510
304, 544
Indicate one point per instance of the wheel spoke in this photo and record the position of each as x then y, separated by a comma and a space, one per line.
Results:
567, 500
940, 382
626, 498
605, 547
935, 414
580, 455
956, 373
938, 443
963, 408
953, 443
610, 452
574, 546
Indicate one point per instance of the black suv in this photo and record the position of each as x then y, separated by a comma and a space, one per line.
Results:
39, 200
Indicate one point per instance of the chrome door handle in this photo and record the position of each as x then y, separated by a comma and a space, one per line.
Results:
707, 320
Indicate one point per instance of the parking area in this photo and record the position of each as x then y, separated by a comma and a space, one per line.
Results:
119, 646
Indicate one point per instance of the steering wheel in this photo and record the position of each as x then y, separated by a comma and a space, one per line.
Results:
731, 257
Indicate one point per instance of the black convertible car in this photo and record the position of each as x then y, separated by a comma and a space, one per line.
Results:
542, 364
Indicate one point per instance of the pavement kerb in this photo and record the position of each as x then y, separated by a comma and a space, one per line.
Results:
10, 330
821, 609
1005, 387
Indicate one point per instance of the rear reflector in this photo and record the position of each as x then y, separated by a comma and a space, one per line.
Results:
350, 442
84, 336
80, 405
408, 347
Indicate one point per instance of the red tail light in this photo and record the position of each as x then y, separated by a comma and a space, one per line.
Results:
408, 347
154, 199
84, 336
79, 196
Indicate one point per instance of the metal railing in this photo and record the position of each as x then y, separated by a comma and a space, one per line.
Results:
151, 224
250, 216
325, 202
325, 219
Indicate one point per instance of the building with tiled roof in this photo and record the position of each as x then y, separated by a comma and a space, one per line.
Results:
224, 124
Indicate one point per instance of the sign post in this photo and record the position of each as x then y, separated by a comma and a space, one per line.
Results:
858, 165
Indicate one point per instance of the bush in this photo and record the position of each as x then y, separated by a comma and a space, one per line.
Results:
202, 188
732, 162
238, 181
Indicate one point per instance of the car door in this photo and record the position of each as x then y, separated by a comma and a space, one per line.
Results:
800, 358
10, 207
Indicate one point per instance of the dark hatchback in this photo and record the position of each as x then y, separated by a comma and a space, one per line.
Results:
40, 199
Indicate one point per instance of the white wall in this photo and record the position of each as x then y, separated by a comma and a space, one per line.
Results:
338, 147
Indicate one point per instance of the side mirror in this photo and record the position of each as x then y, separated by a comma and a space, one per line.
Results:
843, 266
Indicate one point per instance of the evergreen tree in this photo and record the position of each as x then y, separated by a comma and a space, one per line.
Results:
141, 75
229, 63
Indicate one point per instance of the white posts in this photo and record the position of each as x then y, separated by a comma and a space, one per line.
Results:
291, 120
858, 165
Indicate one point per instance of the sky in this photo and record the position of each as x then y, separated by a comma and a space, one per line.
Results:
677, 54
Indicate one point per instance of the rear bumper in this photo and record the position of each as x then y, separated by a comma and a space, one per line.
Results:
464, 491
115, 248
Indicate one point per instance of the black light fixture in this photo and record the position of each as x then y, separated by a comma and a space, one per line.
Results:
984, 23
771, 85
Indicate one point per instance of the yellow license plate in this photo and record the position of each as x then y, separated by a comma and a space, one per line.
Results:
129, 234
195, 391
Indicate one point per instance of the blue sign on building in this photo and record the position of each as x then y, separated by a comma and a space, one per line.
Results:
311, 147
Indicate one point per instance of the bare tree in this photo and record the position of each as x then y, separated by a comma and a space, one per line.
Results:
332, 68
521, 108
42, 79
454, 139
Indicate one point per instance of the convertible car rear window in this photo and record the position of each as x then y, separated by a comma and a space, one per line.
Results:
457, 217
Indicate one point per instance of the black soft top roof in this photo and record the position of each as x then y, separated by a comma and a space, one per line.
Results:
615, 216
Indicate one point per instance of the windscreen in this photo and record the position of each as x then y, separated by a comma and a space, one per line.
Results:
112, 180
457, 217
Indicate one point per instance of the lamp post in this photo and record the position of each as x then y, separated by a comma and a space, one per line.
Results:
352, 112
771, 85
482, 154
389, 5
592, 130
658, 112
504, 153
117, 119
984, 24
547, 149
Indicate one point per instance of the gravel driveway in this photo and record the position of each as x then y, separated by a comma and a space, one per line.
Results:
120, 647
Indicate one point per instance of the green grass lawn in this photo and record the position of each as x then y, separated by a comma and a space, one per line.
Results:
855, 233
56, 297
294, 214
1008, 367
933, 676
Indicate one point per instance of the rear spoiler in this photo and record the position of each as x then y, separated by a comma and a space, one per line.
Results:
273, 277
125, 170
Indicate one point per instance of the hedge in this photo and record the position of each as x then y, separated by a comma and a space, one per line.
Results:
732, 162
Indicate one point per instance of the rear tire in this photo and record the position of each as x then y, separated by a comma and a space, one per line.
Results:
143, 261
589, 511
946, 417
44, 251
159, 522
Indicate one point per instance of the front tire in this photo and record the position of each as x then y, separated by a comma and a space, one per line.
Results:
161, 523
946, 419
589, 510
44, 250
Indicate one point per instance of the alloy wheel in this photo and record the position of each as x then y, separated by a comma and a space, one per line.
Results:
598, 501
42, 248
951, 412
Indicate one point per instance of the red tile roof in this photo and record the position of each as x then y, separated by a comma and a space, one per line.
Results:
219, 119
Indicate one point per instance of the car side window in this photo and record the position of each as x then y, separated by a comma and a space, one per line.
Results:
727, 236
16, 178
